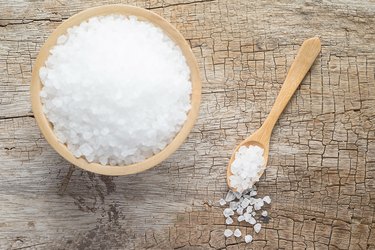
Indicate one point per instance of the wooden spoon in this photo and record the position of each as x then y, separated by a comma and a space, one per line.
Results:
301, 65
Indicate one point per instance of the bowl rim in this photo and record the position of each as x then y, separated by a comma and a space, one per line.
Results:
142, 14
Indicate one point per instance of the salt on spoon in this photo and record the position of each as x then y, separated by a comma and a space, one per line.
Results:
309, 50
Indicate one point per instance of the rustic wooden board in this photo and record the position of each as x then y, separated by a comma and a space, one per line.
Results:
322, 157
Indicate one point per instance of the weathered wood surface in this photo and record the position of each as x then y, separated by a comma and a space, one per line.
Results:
322, 157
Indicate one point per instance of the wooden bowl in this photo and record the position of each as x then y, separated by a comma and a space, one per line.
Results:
47, 128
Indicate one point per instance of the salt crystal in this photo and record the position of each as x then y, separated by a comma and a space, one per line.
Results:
248, 238
267, 199
222, 202
62, 39
233, 205
43, 76
252, 221
252, 201
103, 160
228, 212
241, 218
253, 213
264, 213
105, 131
237, 233
228, 233
230, 196
249, 209
247, 217
253, 193
90, 157
239, 210
258, 205
245, 203
248, 162
229, 221
121, 84
86, 149
238, 195
257, 227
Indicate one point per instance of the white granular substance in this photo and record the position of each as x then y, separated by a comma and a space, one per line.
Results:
267, 199
257, 227
248, 162
246, 201
229, 221
237, 233
228, 233
117, 90
239, 211
222, 202
228, 212
248, 238
241, 218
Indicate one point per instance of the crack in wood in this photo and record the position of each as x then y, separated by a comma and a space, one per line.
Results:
180, 4
322, 158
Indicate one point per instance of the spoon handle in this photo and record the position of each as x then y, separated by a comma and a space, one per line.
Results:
309, 50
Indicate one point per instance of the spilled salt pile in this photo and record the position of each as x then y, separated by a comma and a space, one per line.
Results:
117, 90
244, 202
249, 211
248, 162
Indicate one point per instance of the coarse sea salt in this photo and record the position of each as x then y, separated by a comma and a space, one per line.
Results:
248, 162
228, 212
229, 221
249, 209
252, 221
230, 196
116, 89
257, 227
258, 205
237, 233
247, 217
247, 205
267, 199
248, 238
222, 202
228, 233
233, 205
239, 211
241, 218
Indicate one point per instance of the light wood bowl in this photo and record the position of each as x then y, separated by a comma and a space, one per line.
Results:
47, 128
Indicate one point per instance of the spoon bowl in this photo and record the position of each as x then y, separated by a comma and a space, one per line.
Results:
250, 141
305, 58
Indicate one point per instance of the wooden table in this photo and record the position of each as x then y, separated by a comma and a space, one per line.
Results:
321, 173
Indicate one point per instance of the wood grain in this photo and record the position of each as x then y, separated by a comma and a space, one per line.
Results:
321, 173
